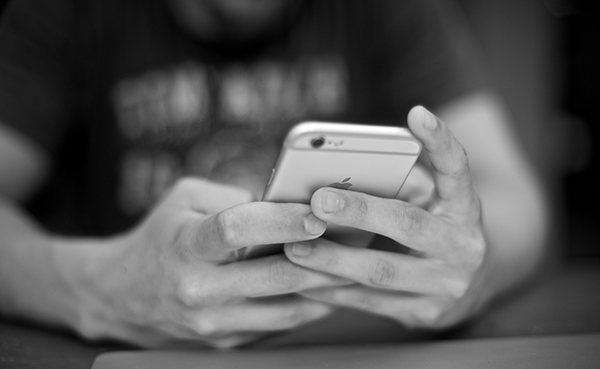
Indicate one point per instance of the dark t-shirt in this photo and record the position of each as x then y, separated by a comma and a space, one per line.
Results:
126, 100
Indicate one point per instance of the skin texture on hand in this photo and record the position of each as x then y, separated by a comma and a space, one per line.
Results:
176, 278
438, 284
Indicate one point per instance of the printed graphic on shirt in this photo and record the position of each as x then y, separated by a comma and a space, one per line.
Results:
223, 124
165, 105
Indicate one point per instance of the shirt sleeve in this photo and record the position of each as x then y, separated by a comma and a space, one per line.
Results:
426, 54
36, 69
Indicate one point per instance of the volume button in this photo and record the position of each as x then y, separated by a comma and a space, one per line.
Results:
272, 175
268, 185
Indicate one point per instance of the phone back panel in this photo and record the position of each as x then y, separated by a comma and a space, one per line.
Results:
372, 159
300, 172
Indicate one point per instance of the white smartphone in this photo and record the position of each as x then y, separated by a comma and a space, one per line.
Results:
365, 158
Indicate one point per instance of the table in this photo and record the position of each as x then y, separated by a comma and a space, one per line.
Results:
565, 302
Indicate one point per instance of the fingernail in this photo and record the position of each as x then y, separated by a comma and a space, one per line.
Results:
314, 225
429, 120
331, 202
302, 248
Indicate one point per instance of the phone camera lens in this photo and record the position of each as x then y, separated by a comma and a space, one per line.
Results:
317, 142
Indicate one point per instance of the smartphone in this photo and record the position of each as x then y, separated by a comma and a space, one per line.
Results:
367, 158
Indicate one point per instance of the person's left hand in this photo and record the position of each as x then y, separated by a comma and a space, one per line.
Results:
441, 282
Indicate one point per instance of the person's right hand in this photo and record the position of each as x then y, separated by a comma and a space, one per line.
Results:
175, 279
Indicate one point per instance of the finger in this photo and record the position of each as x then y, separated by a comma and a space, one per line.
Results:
404, 223
268, 276
208, 197
189, 338
380, 269
178, 335
259, 315
418, 187
448, 160
410, 310
249, 224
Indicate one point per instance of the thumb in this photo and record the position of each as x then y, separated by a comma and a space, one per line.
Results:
449, 162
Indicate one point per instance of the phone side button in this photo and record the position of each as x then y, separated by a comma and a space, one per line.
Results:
272, 175
268, 185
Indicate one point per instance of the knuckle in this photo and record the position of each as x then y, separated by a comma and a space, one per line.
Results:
228, 341
467, 266
461, 163
282, 275
364, 302
478, 254
328, 257
474, 254
87, 328
427, 316
411, 220
193, 294
476, 210
206, 326
382, 273
362, 208
188, 294
296, 316
457, 289
358, 300
463, 157
186, 241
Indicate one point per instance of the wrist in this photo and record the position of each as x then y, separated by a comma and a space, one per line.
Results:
85, 268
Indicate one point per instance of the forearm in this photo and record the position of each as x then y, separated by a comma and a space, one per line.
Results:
516, 221
43, 277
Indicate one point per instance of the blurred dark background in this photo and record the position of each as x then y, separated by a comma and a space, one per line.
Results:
580, 97
544, 55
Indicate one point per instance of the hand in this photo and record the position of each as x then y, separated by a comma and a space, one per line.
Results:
418, 187
175, 279
440, 282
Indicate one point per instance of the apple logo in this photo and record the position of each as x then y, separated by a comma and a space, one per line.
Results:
344, 185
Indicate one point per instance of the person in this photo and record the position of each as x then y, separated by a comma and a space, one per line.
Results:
136, 137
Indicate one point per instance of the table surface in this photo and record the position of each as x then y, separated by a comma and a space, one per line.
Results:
565, 302
576, 351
